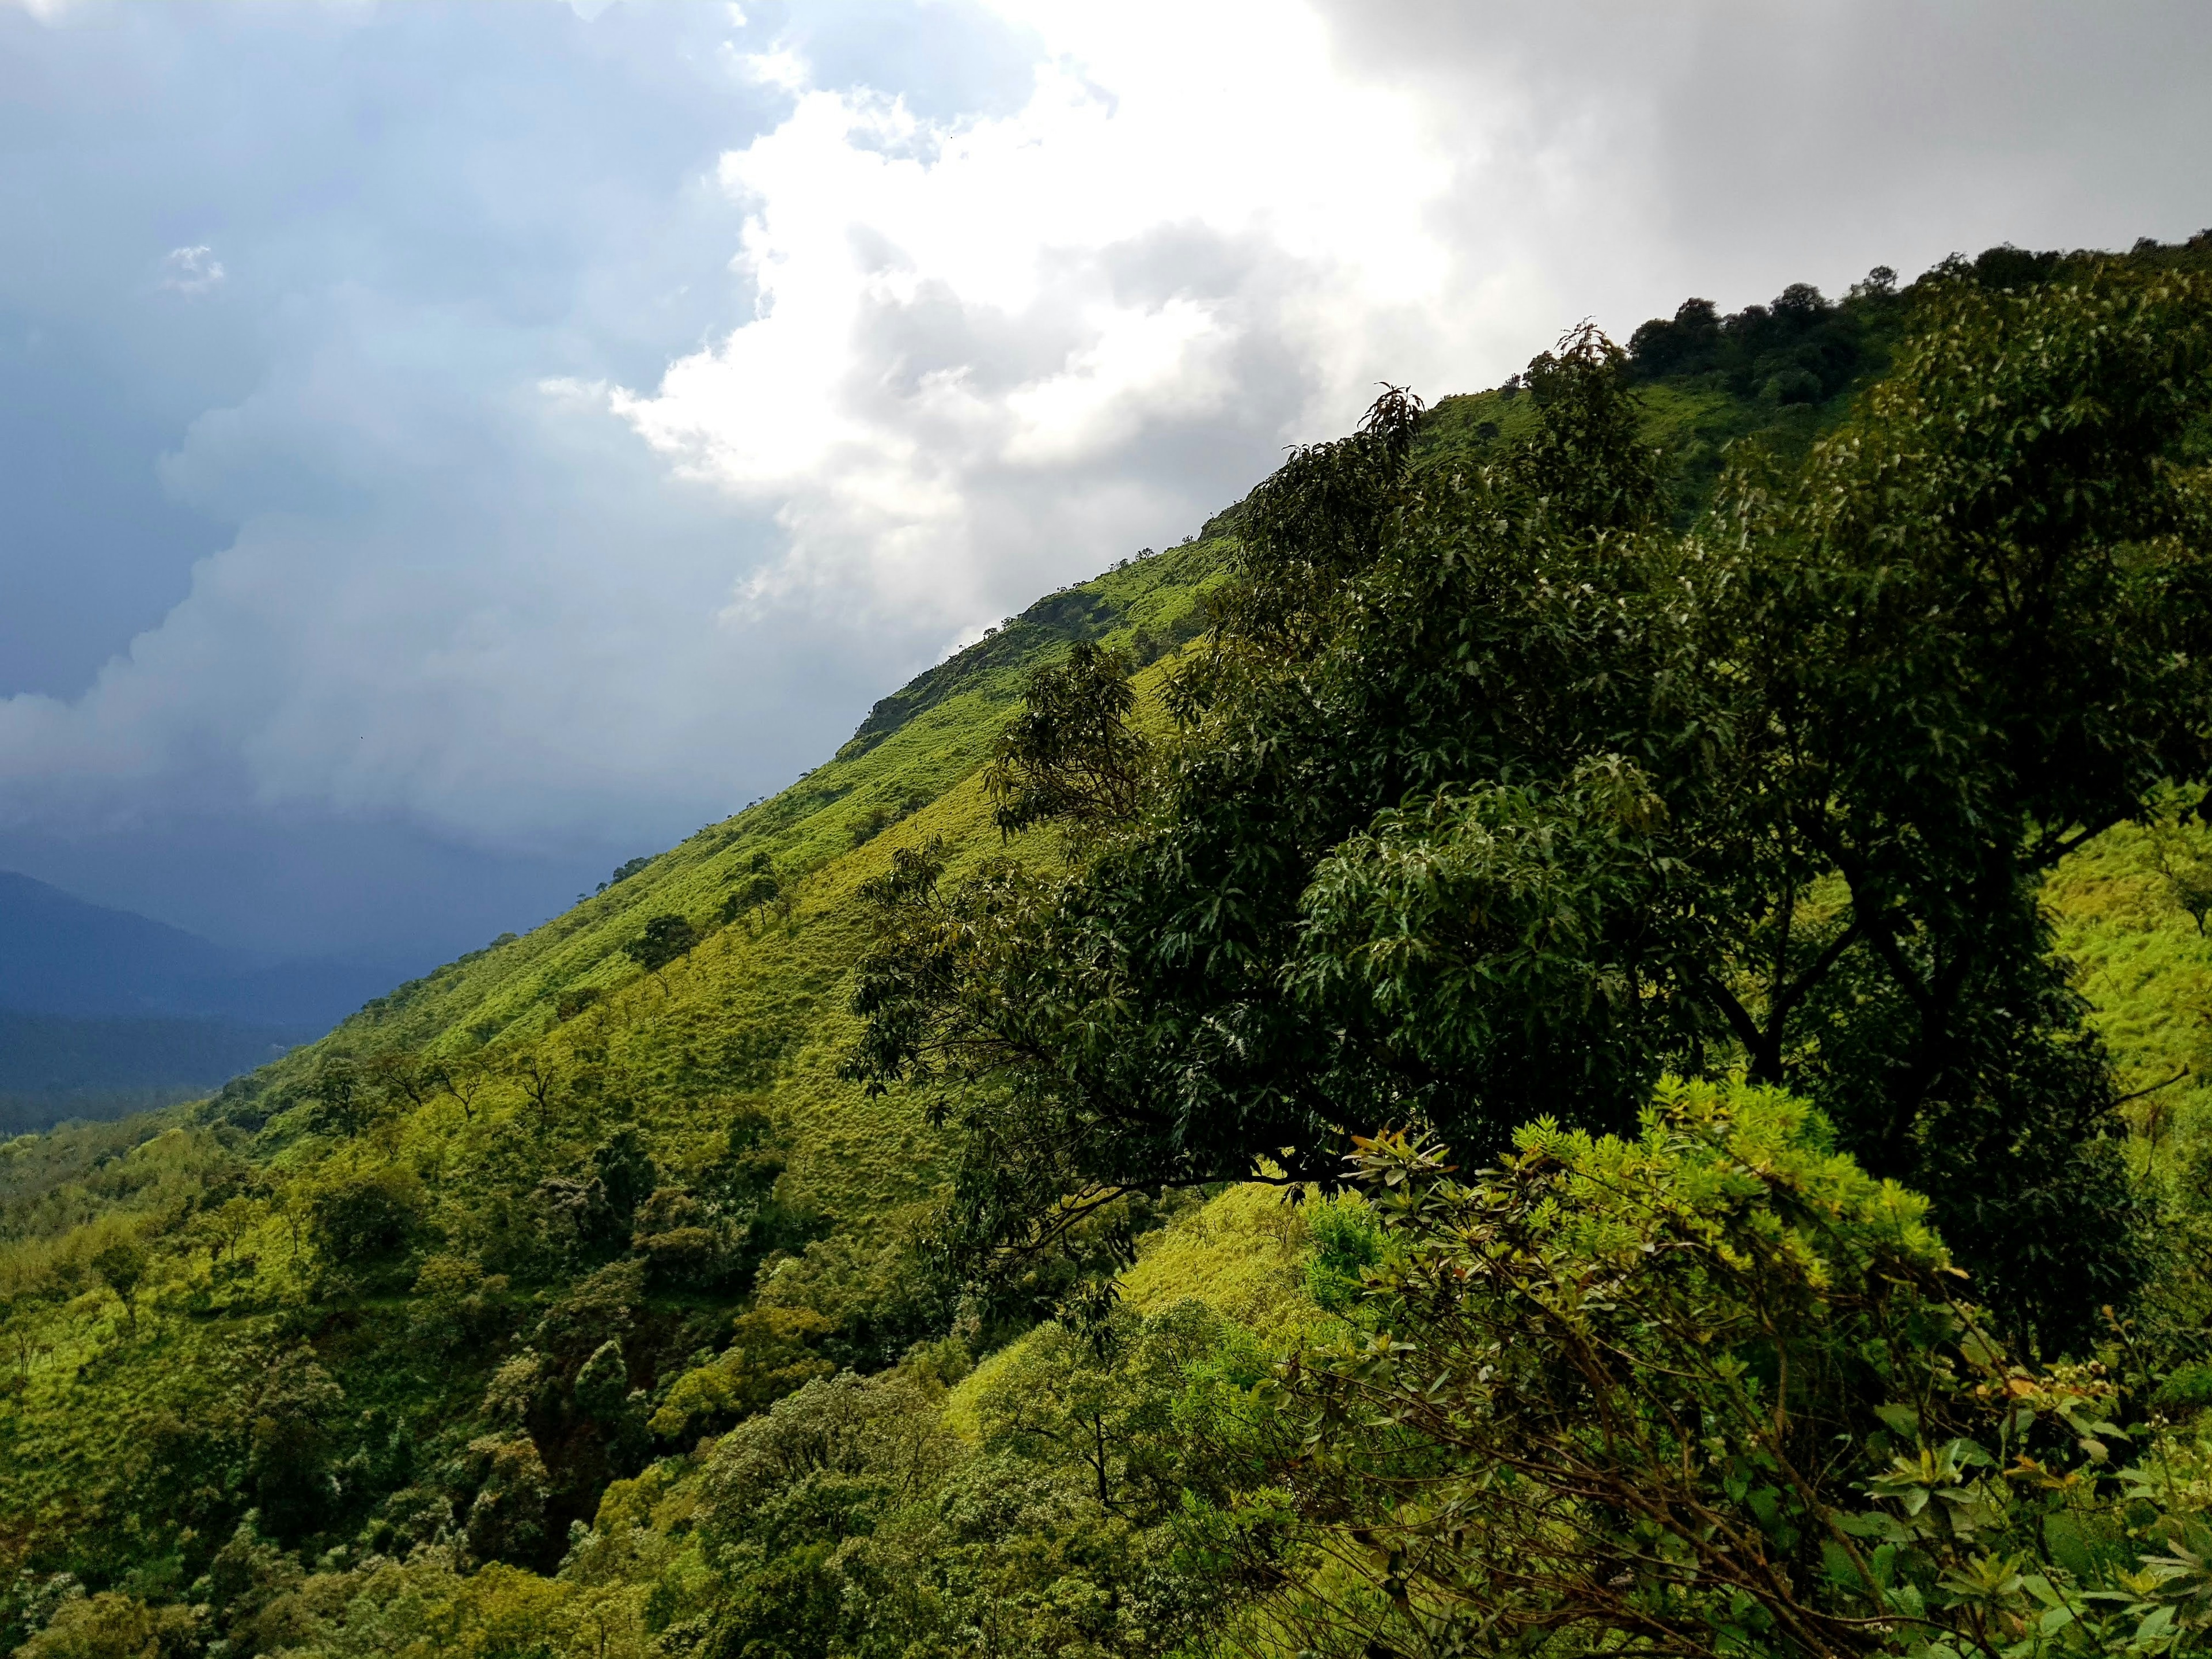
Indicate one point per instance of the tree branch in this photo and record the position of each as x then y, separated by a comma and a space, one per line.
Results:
1827, 959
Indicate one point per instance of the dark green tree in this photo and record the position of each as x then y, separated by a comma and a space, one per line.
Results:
358, 1218
121, 1266
624, 1171
1495, 796
290, 1413
344, 1101
1070, 756
665, 939
754, 889
623, 871
406, 1081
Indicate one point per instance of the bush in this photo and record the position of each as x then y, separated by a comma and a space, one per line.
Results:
110, 1625
1346, 1239
575, 999
666, 938
359, 1217
769, 1355
1708, 1390
507, 1522
291, 1412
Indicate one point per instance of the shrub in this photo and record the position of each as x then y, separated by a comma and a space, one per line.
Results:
1708, 1389
507, 1522
112, 1626
769, 1355
358, 1218
666, 938
575, 999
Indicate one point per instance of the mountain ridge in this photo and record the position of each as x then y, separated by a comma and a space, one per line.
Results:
104, 1011
61, 954
506, 1254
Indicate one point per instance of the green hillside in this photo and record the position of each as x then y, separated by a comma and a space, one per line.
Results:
573, 1299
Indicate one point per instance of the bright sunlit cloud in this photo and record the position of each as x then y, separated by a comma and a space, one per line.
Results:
966, 328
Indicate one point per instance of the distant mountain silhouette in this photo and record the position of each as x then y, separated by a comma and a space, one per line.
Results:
56, 1066
103, 1011
61, 955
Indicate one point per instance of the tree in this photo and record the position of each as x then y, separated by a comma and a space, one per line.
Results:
1495, 795
401, 1075
575, 999
113, 1625
121, 1264
23, 1323
358, 1217
623, 871
343, 1105
604, 1396
869, 1442
625, 1171
225, 1224
1100, 1400
756, 888
771, 1354
290, 1411
540, 1079
2183, 851
506, 1520
666, 938
463, 1080
1070, 755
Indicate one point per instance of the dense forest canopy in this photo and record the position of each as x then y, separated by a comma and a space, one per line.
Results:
1579, 1028
1494, 796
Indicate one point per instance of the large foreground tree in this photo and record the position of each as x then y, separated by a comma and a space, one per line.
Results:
1492, 796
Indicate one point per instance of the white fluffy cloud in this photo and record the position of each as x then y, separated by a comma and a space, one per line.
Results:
986, 354
975, 337
193, 270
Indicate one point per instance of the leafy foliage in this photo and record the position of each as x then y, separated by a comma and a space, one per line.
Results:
1494, 795
665, 939
1709, 1390
1071, 754
570, 1303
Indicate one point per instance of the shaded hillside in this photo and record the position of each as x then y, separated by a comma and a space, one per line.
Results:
59, 954
103, 1011
52, 1067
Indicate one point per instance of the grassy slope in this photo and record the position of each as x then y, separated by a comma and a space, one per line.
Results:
755, 1016
2148, 972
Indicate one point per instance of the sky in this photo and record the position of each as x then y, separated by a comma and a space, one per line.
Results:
445, 451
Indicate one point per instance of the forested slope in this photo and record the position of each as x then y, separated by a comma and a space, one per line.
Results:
575, 1299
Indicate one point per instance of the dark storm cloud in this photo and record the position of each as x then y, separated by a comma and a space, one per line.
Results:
1730, 149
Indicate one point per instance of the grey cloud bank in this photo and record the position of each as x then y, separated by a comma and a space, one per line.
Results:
446, 450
